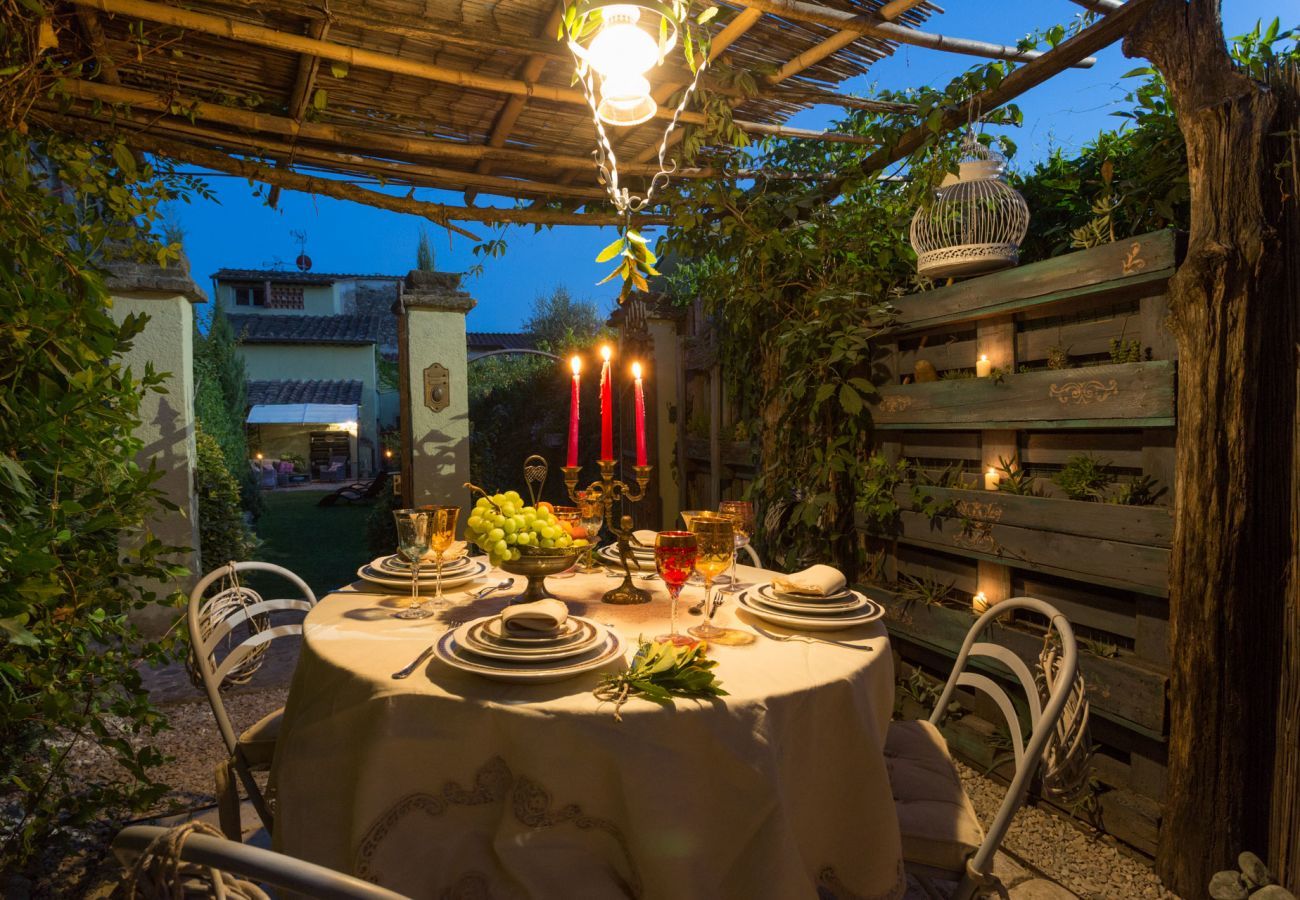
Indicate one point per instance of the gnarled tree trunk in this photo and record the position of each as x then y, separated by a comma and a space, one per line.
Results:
1236, 398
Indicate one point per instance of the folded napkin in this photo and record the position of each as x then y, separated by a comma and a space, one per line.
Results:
815, 581
645, 536
455, 550
541, 615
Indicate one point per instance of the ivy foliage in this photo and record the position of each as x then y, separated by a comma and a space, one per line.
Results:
223, 537
76, 551
220, 401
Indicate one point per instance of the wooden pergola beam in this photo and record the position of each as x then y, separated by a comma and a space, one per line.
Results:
1061, 57
439, 213
836, 42
300, 94
875, 26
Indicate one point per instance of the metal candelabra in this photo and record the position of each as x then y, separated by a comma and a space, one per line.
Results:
607, 490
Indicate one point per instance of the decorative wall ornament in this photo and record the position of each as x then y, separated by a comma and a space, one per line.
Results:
895, 403
1081, 393
1133, 262
976, 222
437, 387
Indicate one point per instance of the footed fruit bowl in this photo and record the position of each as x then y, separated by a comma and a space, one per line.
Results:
535, 564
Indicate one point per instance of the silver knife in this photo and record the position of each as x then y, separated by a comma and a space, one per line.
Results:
424, 654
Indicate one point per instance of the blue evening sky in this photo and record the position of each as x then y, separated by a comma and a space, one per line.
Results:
242, 232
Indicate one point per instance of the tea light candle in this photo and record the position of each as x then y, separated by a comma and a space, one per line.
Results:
979, 603
983, 368
991, 479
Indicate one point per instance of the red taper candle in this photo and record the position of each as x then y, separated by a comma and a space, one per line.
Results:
639, 397
576, 364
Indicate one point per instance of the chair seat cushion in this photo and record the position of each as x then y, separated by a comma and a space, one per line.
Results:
258, 742
936, 818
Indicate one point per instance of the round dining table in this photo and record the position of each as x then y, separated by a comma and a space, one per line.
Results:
449, 785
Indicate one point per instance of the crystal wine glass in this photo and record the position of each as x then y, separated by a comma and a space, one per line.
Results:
591, 513
741, 513
715, 539
442, 534
675, 553
413, 543
688, 516
569, 518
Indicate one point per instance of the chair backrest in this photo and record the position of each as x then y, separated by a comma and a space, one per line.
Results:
1043, 717
252, 863
214, 619
754, 559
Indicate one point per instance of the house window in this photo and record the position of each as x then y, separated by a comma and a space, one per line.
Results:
250, 295
286, 297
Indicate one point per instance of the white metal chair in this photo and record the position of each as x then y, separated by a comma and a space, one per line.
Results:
151, 854
213, 621
942, 837
754, 559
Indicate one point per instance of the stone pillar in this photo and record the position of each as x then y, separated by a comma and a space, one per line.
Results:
432, 364
166, 296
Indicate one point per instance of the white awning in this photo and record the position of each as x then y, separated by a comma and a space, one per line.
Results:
302, 414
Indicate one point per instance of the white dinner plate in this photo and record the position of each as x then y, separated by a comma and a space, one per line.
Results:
870, 612
771, 597
609, 556
609, 650
397, 565
469, 637
449, 579
495, 630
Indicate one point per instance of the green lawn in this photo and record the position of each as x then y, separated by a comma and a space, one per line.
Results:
323, 545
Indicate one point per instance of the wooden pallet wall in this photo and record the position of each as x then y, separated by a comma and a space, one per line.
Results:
1104, 565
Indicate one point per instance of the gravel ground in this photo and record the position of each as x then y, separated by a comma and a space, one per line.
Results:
1041, 846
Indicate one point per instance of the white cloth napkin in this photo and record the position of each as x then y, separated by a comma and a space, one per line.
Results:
814, 581
454, 551
647, 537
541, 615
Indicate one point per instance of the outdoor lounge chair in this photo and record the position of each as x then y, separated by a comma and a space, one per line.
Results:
213, 625
357, 492
942, 837
209, 857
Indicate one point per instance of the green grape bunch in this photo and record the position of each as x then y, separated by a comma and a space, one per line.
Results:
503, 527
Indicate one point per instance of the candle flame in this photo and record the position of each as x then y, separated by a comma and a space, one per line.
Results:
992, 471
575, 363
605, 353
984, 357
636, 371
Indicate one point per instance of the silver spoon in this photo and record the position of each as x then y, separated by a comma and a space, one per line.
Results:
492, 589
425, 653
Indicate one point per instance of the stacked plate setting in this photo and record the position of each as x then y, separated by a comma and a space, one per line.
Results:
395, 572
643, 558
802, 612
488, 648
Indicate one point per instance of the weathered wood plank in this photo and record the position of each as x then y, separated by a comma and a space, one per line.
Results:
1053, 448
1132, 394
1147, 259
1134, 567
954, 445
1094, 606
1124, 691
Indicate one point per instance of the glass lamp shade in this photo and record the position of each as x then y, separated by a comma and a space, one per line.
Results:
976, 222
625, 100
620, 47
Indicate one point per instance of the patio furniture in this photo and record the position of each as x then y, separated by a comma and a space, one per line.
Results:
337, 470
357, 492
423, 783
215, 623
283, 470
941, 835
206, 852
266, 475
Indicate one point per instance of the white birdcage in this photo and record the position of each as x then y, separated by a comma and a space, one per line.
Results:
976, 222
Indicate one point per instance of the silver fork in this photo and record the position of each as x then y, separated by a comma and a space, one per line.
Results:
407, 671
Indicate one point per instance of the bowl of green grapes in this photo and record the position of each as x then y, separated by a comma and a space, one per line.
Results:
522, 539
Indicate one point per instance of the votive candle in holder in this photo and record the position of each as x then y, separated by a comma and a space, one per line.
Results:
983, 368
991, 479
979, 603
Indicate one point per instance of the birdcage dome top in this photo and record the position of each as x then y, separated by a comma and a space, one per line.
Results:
976, 221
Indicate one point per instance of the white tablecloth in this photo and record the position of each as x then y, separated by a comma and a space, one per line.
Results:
446, 785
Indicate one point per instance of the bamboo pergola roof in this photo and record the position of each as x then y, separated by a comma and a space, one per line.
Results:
468, 95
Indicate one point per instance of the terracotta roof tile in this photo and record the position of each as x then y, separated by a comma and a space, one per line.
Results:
272, 393
273, 329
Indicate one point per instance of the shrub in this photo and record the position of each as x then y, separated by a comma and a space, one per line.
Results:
222, 534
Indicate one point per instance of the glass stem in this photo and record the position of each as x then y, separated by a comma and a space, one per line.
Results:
437, 594
415, 582
732, 586
673, 592
708, 603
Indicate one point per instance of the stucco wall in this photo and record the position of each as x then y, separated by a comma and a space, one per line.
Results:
167, 427
440, 440
666, 370
270, 362
317, 300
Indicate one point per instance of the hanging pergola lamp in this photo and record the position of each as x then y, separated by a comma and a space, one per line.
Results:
975, 223
615, 46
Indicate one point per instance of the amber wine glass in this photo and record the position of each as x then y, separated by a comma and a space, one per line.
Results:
442, 534
413, 543
741, 513
569, 517
591, 516
715, 540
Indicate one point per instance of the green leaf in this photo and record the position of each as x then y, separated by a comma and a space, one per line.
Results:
319, 99
339, 69
850, 400
610, 251
705, 17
